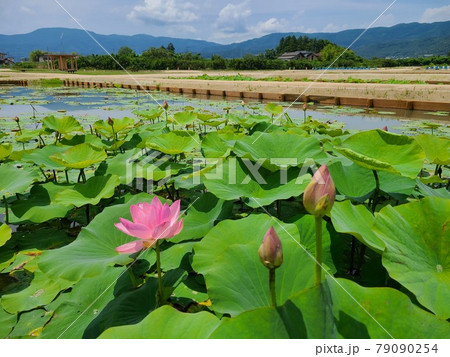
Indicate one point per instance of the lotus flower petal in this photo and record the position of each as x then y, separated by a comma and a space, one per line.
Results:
174, 211
134, 229
132, 247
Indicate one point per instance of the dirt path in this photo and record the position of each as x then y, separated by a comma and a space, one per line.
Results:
413, 92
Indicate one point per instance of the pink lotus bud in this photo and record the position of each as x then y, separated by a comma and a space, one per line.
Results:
319, 195
16, 118
110, 121
270, 252
385, 128
305, 106
165, 105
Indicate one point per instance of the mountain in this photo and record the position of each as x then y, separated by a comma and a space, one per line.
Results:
403, 40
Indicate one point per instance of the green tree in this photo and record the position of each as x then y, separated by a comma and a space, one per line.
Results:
171, 47
34, 55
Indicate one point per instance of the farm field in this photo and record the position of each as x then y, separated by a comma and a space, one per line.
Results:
127, 214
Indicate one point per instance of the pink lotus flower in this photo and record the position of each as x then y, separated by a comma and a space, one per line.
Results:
320, 193
151, 222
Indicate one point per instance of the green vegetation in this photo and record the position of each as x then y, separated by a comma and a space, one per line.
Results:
49, 83
164, 58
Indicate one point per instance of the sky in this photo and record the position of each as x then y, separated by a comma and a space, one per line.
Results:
218, 21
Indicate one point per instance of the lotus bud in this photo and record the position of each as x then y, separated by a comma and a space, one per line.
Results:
165, 105
16, 118
270, 252
305, 106
243, 103
385, 128
320, 193
110, 121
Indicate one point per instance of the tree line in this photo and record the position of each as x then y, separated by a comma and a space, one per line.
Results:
166, 58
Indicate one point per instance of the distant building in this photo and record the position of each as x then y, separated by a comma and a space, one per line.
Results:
299, 55
6, 60
61, 61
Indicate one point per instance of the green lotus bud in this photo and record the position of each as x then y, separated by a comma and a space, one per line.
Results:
270, 252
319, 195
305, 106
165, 105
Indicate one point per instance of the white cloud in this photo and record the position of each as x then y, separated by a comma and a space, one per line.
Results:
436, 14
164, 12
265, 27
26, 10
232, 18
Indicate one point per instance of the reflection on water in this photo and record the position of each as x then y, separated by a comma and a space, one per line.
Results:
118, 103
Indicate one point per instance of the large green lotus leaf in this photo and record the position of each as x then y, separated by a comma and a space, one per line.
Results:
5, 234
172, 257
215, 146
167, 323
127, 308
431, 192
396, 184
201, 216
40, 239
183, 118
122, 165
74, 311
417, 239
15, 180
356, 220
62, 125
41, 206
338, 309
79, 156
5, 150
30, 324
279, 149
306, 315
94, 249
150, 114
90, 139
41, 292
175, 142
119, 125
138, 164
273, 108
384, 151
7, 322
352, 180
41, 157
233, 180
387, 307
91, 192
27, 135
437, 149
230, 250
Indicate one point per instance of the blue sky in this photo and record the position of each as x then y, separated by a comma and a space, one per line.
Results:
220, 21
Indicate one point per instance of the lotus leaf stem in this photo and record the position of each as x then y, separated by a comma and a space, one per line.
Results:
273, 297
158, 269
318, 269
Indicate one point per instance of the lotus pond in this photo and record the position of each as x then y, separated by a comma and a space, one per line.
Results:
195, 219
